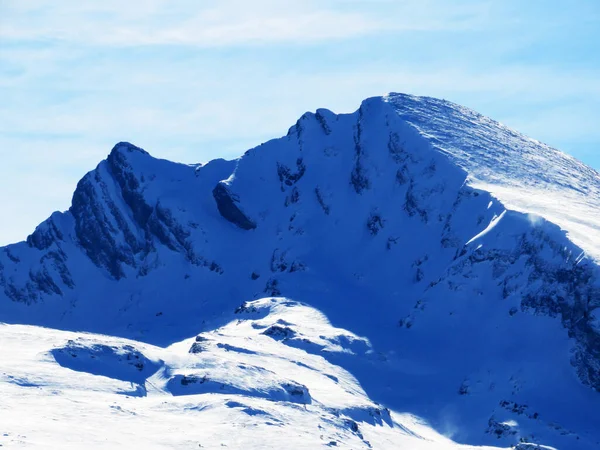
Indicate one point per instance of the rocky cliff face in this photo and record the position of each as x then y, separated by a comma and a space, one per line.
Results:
391, 220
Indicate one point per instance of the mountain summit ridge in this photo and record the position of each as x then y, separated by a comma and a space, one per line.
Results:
511, 165
390, 222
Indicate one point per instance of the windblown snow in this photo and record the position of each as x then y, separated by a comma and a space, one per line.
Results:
526, 175
409, 276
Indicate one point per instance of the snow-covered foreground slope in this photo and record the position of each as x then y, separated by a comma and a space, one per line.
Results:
253, 383
410, 223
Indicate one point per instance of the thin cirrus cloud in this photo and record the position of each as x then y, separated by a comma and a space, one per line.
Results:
223, 24
191, 80
226, 22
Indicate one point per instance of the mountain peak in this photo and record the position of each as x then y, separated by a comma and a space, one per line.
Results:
397, 223
525, 174
127, 147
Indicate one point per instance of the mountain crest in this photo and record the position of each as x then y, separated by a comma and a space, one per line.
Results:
127, 147
421, 225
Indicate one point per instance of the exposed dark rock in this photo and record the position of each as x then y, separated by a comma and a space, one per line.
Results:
45, 235
294, 197
244, 308
499, 429
359, 178
58, 259
401, 175
287, 177
375, 223
391, 242
227, 205
43, 282
297, 266
396, 148
321, 201
322, 121
199, 345
299, 391
127, 181
464, 388
278, 261
519, 409
94, 229
412, 205
12, 257
193, 379
279, 332
558, 286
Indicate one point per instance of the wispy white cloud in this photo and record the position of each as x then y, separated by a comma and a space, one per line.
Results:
154, 23
188, 100
226, 22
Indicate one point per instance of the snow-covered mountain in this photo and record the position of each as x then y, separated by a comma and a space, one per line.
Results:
412, 275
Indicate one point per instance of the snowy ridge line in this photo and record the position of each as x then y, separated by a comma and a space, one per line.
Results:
396, 286
525, 174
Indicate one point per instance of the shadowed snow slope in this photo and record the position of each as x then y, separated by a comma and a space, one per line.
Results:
419, 267
523, 173
241, 389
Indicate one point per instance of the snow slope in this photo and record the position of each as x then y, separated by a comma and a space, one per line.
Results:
525, 174
230, 387
415, 251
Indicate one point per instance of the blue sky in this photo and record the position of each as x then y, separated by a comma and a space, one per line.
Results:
193, 80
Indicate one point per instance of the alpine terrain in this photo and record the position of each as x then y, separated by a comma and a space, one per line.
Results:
409, 276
